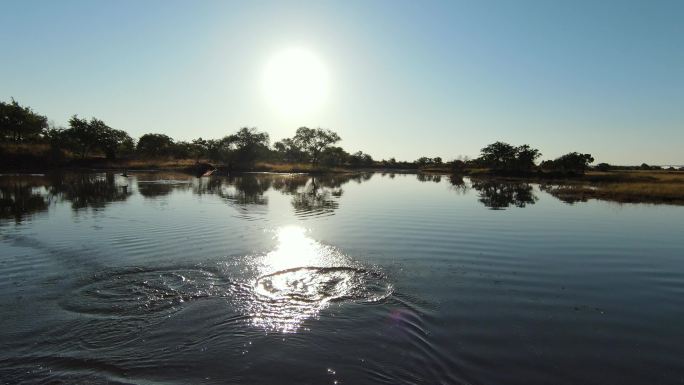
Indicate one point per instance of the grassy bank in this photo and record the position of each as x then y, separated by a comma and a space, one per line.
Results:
623, 186
652, 186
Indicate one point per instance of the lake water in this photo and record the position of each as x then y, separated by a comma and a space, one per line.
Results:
163, 278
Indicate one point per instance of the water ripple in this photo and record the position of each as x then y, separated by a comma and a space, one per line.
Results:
141, 291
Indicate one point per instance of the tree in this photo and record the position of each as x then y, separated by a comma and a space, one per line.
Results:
249, 144
155, 145
288, 151
498, 155
19, 123
334, 156
83, 136
115, 142
525, 157
360, 159
182, 150
503, 156
603, 167
571, 162
313, 141
210, 148
457, 166
423, 161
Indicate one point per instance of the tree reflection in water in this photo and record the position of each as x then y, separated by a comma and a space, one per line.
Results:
498, 195
316, 198
21, 197
457, 184
429, 177
24, 195
89, 190
569, 193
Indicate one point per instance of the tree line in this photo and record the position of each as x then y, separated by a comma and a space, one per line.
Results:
85, 138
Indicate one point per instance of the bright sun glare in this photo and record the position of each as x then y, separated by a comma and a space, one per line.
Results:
295, 81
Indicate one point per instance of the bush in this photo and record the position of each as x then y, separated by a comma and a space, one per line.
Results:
603, 167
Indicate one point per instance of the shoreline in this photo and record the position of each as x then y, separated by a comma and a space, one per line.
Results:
620, 186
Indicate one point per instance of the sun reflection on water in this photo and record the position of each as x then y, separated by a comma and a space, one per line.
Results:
301, 276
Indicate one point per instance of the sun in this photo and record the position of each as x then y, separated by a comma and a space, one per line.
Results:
295, 81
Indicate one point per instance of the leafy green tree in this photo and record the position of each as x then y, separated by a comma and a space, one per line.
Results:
199, 148
288, 151
19, 124
360, 159
209, 148
153, 145
83, 136
457, 166
334, 157
115, 142
423, 161
182, 150
313, 141
248, 145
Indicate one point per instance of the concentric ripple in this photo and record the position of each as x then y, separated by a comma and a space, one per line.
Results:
140, 291
283, 300
323, 284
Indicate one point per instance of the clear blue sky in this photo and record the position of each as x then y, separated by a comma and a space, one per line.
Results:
407, 78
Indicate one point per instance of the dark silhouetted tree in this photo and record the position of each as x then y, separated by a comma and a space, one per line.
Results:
525, 157
152, 145
334, 157
498, 195
423, 161
249, 144
360, 159
288, 151
603, 167
571, 162
498, 155
503, 156
313, 141
20, 124
115, 142
83, 136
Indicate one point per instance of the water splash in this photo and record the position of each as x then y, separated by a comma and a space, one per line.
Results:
139, 291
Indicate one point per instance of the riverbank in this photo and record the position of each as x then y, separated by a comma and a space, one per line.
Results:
633, 186
624, 186
31, 158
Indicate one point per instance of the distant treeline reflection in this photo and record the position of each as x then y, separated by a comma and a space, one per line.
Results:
24, 195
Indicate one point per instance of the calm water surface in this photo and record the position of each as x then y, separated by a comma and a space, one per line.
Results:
163, 278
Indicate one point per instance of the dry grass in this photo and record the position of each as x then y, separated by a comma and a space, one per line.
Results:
295, 168
636, 176
624, 186
138, 164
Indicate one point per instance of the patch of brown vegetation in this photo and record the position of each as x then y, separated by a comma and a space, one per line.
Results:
623, 186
